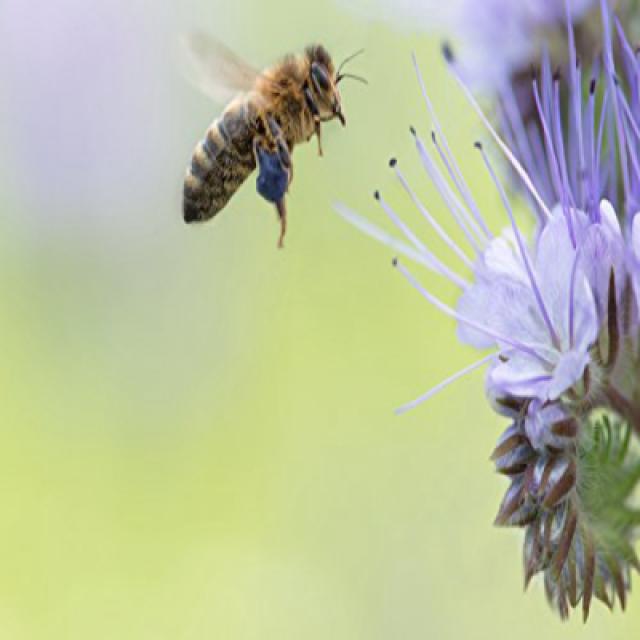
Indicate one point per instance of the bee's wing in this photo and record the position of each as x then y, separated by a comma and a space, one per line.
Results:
214, 69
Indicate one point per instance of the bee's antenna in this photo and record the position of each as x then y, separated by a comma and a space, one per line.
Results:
341, 76
348, 59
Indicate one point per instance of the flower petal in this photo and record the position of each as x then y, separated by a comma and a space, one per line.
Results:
566, 373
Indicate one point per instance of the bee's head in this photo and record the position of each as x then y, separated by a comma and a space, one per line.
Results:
324, 83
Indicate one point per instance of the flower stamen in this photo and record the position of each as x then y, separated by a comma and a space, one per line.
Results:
523, 252
397, 221
515, 163
444, 384
446, 238
529, 350
447, 156
453, 203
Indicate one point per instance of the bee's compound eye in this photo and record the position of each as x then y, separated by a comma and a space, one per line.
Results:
320, 77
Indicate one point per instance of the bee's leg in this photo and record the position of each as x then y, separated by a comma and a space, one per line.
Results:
283, 148
289, 171
313, 107
319, 138
283, 152
257, 143
281, 208
285, 159
273, 179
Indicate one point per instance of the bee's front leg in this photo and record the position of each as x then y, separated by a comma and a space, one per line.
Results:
317, 126
315, 112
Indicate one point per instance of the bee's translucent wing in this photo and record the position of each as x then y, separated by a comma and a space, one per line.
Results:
214, 69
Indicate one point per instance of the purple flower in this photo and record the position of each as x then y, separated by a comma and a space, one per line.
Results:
560, 313
634, 257
537, 298
498, 38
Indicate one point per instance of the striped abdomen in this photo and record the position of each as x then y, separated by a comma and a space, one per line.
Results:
220, 164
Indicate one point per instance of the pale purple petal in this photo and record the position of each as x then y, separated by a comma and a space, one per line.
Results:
585, 319
566, 373
539, 419
519, 376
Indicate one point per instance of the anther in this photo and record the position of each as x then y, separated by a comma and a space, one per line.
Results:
447, 52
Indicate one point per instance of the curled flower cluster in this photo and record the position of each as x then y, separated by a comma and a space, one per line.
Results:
560, 313
571, 495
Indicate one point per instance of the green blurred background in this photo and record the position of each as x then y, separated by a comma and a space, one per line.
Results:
197, 430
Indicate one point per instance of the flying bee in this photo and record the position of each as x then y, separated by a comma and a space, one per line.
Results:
272, 111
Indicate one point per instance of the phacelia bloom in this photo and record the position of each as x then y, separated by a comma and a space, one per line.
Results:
497, 39
559, 312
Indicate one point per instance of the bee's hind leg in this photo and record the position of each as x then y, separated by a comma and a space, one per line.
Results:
275, 171
281, 208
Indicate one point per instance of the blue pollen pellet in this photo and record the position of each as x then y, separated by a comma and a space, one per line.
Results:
273, 178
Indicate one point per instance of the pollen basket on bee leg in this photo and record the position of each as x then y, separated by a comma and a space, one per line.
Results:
273, 177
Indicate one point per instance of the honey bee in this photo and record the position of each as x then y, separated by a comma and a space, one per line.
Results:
272, 111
